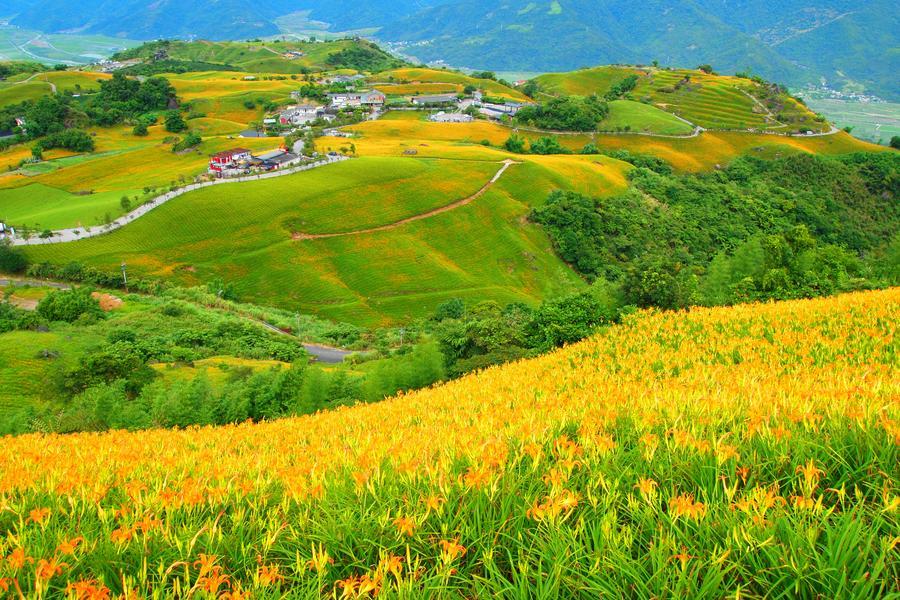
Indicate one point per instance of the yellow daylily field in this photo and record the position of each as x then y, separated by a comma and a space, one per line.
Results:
712, 453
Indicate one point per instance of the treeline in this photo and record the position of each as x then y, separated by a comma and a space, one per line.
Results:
486, 334
12, 68
795, 227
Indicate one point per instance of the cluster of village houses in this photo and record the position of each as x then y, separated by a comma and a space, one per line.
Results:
453, 108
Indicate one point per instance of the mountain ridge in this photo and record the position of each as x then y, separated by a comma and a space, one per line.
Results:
797, 42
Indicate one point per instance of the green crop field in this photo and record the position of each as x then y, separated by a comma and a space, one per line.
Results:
42, 207
243, 233
711, 101
423, 76
708, 101
16, 93
636, 116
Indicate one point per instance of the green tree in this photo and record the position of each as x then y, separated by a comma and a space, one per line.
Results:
11, 259
175, 123
515, 143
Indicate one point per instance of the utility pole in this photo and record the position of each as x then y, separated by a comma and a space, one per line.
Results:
124, 277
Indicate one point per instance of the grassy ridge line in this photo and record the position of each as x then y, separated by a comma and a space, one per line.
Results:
698, 454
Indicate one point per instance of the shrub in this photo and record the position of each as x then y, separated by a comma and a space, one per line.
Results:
11, 259
69, 305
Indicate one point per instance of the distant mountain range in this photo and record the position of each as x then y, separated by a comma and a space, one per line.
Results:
844, 42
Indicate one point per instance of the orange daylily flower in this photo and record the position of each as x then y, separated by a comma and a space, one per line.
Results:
452, 549
68, 547
405, 526
47, 569
38, 515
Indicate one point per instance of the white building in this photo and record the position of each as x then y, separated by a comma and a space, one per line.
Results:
455, 117
300, 115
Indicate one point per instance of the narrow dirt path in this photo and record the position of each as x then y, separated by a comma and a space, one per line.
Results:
426, 215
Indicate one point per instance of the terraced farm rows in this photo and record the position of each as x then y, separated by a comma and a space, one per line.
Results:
711, 102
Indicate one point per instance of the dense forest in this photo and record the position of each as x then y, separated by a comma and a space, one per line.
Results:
794, 227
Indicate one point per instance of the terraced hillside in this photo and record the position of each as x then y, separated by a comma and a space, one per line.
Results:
408, 166
778, 421
710, 101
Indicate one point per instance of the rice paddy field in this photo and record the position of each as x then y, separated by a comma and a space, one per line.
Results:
51, 49
749, 451
875, 122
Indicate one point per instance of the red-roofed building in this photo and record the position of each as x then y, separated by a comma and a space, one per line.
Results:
221, 161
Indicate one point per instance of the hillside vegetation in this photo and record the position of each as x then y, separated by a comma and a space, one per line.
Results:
705, 99
261, 56
705, 454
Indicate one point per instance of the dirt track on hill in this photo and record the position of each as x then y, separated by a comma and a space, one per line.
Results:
426, 215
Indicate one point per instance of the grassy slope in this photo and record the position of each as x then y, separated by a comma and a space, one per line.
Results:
15, 93
42, 207
645, 118
254, 57
24, 374
150, 163
717, 453
482, 250
584, 82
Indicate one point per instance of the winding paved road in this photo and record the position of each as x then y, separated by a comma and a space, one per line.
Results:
73, 234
